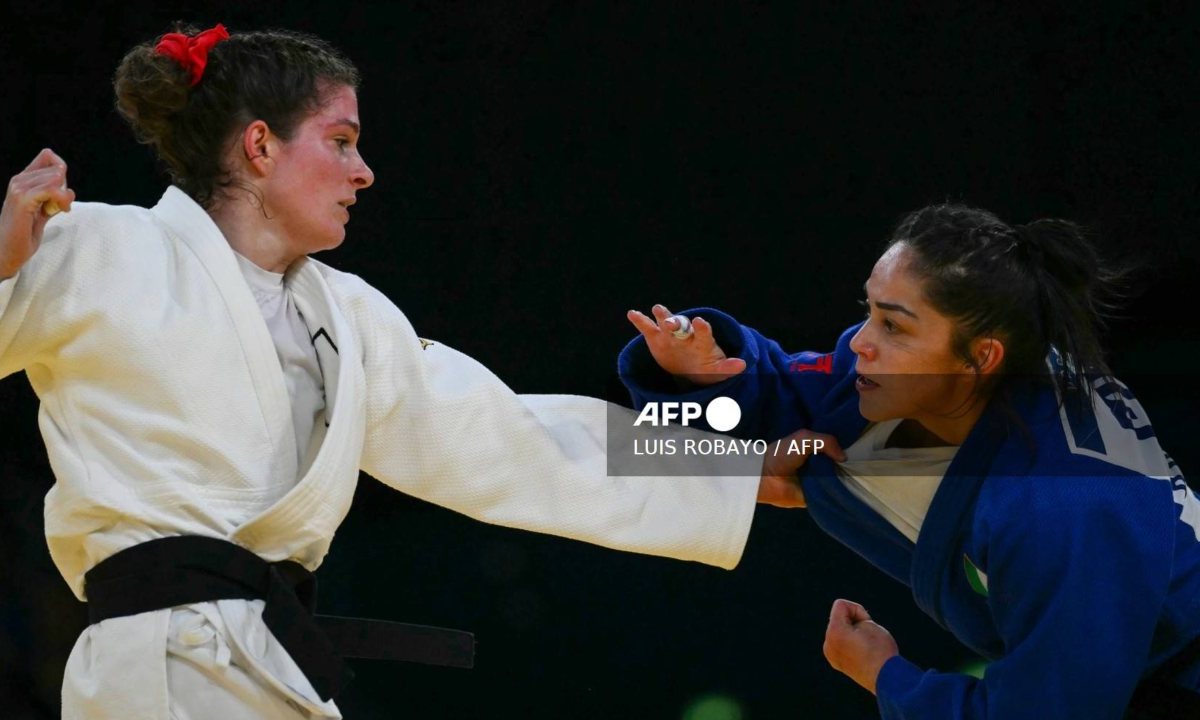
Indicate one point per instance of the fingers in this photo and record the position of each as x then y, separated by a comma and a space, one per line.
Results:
791, 453
848, 612
841, 612
53, 176
730, 367
46, 185
781, 492
32, 190
664, 321
832, 447
855, 645
46, 158
809, 442
645, 325
692, 356
676, 324
59, 200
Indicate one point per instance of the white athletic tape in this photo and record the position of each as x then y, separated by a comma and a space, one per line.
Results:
685, 326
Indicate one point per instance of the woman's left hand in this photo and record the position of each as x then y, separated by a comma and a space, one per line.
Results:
778, 484
855, 645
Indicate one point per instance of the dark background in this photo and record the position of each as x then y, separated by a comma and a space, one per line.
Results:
541, 168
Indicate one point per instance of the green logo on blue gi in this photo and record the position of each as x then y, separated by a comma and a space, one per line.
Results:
975, 576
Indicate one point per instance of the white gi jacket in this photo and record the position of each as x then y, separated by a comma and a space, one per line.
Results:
164, 412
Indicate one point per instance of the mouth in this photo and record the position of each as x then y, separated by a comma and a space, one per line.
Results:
864, 383
347, 203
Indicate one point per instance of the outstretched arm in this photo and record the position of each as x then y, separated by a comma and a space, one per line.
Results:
441, 427
778, 392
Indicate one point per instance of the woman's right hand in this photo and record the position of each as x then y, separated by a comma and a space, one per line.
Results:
696, 358
27, 207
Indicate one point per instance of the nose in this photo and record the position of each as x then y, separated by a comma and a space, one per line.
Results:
362, 177
860, 345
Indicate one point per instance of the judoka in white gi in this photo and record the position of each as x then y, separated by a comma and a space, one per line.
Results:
199, 375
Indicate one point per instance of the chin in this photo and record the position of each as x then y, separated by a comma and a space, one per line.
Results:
329, 243
875, 411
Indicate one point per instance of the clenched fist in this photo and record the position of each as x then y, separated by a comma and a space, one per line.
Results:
34, 194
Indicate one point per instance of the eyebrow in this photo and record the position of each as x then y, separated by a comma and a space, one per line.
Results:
892, 306
347, 121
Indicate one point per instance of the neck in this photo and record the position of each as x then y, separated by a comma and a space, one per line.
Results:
940, 430
249, 232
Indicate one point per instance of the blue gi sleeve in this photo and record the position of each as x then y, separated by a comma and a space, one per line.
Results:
1078, 569
778, 392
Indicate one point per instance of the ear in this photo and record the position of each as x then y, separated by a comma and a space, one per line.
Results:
257, 145
987, 352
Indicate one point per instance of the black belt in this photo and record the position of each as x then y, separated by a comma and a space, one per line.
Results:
177, 571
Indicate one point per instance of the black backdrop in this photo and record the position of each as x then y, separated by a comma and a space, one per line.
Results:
542, 167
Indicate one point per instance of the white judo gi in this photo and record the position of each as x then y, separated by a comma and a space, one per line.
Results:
164, 412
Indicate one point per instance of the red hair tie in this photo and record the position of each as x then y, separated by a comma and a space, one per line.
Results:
191, 52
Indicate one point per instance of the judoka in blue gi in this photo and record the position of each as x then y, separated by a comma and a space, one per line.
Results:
991, 462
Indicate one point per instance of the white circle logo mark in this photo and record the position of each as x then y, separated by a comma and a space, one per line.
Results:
723, 414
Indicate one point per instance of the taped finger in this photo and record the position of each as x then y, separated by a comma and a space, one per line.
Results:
684, 329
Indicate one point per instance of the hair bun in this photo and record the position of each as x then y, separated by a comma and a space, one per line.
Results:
1061, 248
150, 88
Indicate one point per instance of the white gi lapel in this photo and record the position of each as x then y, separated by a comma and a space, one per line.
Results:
189, 223
301, 524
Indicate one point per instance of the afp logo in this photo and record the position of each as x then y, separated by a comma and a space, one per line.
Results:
722, 414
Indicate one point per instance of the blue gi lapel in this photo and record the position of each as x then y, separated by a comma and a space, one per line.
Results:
939, 544
834, 508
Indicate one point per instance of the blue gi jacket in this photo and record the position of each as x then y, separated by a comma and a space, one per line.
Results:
1067, 553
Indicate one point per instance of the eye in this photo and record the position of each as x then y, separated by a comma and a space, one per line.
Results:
888, 326
342, 142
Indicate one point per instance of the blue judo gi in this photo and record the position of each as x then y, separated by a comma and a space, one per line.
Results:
1065, 547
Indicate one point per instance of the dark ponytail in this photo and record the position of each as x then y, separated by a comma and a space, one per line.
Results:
275, 76
1036, 287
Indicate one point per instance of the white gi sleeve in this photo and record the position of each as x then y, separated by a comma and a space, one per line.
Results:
443, 428
36, 303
